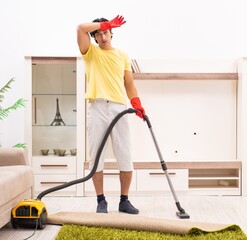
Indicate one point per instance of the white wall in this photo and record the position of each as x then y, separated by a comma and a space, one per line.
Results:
167, 29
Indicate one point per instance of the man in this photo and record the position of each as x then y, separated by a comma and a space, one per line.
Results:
109, 80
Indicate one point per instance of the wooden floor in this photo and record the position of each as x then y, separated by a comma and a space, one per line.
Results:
213, 209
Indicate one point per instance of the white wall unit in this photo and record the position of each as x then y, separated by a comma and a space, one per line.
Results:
197, 117
195, 123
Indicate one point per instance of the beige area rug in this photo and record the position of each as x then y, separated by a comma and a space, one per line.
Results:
133, 222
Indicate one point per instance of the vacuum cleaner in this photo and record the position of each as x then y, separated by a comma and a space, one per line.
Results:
32, 213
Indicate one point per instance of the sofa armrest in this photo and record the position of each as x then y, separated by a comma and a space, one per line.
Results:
13, 156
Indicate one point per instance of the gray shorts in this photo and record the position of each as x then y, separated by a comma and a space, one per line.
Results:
100, 114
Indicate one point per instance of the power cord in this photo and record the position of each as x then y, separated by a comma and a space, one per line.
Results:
36, 227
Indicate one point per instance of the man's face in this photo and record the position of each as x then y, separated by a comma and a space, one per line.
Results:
104, 39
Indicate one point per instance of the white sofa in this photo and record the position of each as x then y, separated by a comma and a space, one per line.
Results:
16, 181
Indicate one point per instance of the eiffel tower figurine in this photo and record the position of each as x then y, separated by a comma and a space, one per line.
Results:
58, 121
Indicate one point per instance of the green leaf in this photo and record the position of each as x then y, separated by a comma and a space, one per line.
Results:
4, 112
18, 104
20, 145
5, 88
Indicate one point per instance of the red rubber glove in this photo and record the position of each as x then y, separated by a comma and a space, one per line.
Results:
136, 104
118, 21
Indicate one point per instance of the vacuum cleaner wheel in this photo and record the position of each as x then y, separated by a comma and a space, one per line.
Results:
13, 222
42, 219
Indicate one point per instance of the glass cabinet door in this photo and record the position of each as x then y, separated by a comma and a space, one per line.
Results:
53, 106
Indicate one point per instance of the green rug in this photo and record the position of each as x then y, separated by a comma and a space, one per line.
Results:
78, 232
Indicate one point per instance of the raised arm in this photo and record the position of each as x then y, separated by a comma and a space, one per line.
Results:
83, 38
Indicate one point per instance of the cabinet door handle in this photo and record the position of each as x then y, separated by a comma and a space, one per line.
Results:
35, 110
52, 183
111, 174
154, 173
53, 165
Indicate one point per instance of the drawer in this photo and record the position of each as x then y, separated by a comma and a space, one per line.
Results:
43, 182
155, 180
51, 165
111, 181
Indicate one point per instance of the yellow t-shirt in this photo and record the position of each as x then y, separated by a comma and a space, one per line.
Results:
105, 73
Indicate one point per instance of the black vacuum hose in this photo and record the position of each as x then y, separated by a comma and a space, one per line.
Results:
100, 149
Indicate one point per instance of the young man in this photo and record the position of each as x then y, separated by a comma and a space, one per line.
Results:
109, 79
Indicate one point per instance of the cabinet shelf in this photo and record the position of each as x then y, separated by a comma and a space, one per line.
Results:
213, 177
53, 126
54, 157
215, 187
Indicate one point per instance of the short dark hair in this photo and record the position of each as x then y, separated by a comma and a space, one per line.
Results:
98, 20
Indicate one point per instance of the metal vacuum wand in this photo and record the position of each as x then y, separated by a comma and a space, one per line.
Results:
181, 214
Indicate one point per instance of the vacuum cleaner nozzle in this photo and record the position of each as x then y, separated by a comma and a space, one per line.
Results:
183, 215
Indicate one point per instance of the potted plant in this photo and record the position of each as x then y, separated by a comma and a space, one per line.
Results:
4, 112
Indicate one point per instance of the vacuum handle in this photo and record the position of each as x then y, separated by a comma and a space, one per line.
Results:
145, 117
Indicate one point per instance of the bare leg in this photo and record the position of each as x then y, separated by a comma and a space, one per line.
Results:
125, 180
125, 205
98, 182
98, 185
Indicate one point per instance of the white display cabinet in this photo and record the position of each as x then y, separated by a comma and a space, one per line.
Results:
54, 107
54, 120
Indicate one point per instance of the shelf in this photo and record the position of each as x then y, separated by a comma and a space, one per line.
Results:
51, 155
54, 126
185, 76
215, 176
215, 187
